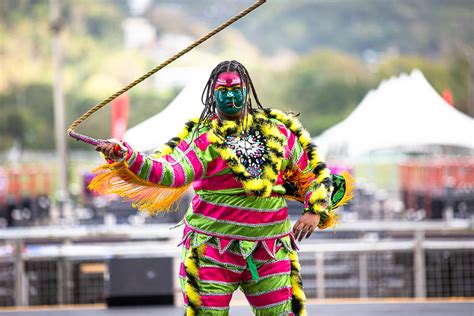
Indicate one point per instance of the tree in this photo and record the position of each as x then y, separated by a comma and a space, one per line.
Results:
325, 86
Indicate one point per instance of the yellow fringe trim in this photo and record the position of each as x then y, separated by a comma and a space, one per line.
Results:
264, 184
297, 289
349, 192
325, 173
304, 138
191, 264
146, 196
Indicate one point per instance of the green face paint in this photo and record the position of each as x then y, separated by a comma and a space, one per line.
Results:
230, 101
229, 93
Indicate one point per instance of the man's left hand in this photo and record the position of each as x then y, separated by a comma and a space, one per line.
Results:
306, 225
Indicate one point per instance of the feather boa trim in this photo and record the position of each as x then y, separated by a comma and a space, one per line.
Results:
318, 201
191, 288
298, 297
274, 142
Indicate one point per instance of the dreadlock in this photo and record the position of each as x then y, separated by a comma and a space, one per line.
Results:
207, 97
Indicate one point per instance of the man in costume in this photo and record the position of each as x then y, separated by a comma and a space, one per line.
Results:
242, 161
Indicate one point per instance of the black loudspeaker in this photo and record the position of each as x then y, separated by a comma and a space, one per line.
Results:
140, 281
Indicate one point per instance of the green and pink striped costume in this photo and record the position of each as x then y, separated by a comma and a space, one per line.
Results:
232, 237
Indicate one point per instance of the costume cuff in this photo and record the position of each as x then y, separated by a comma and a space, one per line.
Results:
317, 200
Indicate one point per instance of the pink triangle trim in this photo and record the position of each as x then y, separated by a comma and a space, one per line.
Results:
223, 244
270, 246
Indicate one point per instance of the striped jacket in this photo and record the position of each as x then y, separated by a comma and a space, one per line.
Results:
221, 208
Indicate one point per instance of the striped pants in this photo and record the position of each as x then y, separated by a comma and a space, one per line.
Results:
208, 279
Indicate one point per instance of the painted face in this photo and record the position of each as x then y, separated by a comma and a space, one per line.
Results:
230, 93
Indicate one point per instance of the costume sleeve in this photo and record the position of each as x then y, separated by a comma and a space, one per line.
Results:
312, 178
153, 183
179, 168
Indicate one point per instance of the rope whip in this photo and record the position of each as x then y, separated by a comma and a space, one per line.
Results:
97, 107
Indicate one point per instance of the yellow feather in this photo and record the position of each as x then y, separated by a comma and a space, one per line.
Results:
162, 151
274, 130
254, 184
212, 137
320, 193
201, 249
226, 154
192, 294
248, 120
270, 173
325, 173
273, 144
297, 290
192, 267
317, 208
266, 129
240, 169
183, 134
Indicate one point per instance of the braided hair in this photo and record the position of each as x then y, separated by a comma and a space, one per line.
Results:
207, 97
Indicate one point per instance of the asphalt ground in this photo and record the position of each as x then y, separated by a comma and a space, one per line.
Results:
459, 307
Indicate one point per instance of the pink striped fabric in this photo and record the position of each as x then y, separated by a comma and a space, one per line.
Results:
221, 301
210, 301
202, 142
303, 161
291, 142
225, 181
219, 274
262, 254
182, 273
226, 257
178, 171
269, 298
135, 167
236, 214
193, 159
216, 166
156, 171
284, 130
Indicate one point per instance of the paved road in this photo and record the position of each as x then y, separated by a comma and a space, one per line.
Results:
323, 309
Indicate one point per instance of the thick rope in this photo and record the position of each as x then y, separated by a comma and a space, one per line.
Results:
100, 105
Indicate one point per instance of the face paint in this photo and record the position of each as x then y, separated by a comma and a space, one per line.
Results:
229, 93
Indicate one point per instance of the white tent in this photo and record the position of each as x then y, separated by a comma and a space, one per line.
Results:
157, 130
403, 112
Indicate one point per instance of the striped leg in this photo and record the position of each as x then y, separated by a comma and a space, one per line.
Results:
219, 276
271, 294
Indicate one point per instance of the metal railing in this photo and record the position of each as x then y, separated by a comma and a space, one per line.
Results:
68, 265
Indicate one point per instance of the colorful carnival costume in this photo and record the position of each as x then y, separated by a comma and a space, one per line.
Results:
243, 162
237, 231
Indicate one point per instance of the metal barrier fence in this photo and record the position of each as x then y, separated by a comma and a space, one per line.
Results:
47, 266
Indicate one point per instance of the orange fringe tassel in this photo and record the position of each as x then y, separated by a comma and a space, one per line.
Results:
146, 196
303, 182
